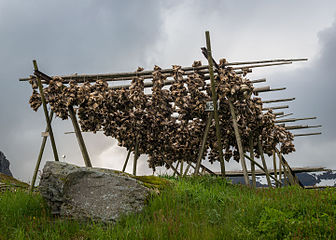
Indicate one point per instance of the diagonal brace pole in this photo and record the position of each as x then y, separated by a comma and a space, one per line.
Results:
205, 136
37, 166
52, 139
79, 136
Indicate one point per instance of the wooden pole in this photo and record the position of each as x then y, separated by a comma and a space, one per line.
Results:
127, 158
261, 65
173, 168
258, 80
287, 172
301, 126
207, 170
261, 89
51, 134
275, 167
307, 134
181, 168
187, 169
176, 167
268, 61
291, 172
239, 143
263, 169
267, 89
278, 113
94, 77
136, 155
205, 136
39, 158
79, 137
254, 182
261, 152
286, 177
293, 119
279, 100
283, 115
215, 102
280, 173
275, 107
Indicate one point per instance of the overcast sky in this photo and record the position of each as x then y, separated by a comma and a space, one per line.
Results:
83, 36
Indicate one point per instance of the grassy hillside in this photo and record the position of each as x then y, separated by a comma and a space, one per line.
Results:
191, 208
10, 181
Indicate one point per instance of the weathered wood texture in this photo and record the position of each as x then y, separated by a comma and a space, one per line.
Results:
79, 137
39, 158
239, 142
51, 133
214, 100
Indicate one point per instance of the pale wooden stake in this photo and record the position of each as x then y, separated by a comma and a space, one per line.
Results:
181, 168
259, 166
173, 168
291, 175
37, 166
275, 167
261, 152
127, 158
286, 178
136, 155
205, 136
187, 169
79, 137
254, 182
239, 143
51, 134
280, 173
177, 164
214, 100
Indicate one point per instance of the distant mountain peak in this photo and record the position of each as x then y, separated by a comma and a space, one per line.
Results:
4, 165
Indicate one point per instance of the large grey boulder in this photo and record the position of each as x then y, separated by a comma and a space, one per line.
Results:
4, 165
91, 193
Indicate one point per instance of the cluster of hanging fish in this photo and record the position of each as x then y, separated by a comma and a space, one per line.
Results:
169, 123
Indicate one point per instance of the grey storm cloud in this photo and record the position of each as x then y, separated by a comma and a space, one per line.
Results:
314, 85
86, 36
65, 37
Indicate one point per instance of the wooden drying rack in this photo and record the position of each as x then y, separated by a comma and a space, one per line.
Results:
209, 71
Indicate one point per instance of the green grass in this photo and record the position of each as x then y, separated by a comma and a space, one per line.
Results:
192, 208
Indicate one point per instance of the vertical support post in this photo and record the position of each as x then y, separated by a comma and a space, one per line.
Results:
261, 152
287, 171
290, 177
79, 137
177, 164
275, 167
205, 136
214, 100
254, 182
286, 178
295, 178
181, 168
136, 155
172, 167
127, 158
39, 158
239, 143
280, 172
187, 168
51, 134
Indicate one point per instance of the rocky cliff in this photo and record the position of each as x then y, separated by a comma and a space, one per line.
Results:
4, 165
